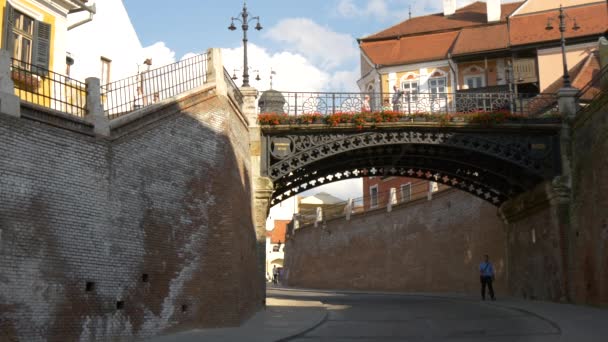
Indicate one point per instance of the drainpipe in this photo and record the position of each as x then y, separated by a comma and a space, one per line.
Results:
82, 7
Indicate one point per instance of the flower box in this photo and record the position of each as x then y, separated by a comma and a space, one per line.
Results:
25, 80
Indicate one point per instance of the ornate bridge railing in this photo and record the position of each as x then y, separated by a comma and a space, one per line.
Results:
148, 87
297, 103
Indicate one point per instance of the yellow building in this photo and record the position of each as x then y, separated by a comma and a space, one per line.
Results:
34, 32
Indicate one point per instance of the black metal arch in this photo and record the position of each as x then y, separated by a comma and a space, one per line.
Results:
492, 165
493, 181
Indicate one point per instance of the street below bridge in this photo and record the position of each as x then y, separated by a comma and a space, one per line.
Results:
356, 316
303, 315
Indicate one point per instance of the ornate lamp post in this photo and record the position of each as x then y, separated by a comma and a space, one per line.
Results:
245, 26
562, 28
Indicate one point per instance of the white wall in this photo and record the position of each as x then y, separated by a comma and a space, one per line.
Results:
112, 35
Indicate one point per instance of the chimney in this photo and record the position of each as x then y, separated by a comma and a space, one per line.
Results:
449, 7
493, 7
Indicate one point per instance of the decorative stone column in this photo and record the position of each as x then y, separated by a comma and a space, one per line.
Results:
10, 103
262, 186
95, 112
250, 96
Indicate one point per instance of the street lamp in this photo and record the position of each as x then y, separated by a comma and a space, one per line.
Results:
235, 77
562, 28
245, 26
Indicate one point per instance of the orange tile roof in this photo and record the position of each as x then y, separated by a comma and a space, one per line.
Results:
471, 15
278, 232
484, 38
410, 49
529, 29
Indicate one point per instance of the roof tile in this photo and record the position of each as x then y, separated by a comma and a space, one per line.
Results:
529, 29
471, 15
410, 49
485, 38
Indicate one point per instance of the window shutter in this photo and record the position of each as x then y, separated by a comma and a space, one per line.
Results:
42, 47
9, 19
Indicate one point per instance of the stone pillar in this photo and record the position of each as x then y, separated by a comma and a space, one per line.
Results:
95, 112
250, 96
392, 199
10, 103
263, 189
215, 70
262, 186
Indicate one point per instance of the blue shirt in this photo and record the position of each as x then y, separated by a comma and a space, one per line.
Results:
486, 269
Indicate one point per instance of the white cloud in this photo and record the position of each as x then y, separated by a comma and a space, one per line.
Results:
293, 71
321, 45
160, 54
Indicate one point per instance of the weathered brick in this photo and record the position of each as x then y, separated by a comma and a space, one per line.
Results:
76, 209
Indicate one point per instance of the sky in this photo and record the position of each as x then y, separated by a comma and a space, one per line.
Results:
310, 44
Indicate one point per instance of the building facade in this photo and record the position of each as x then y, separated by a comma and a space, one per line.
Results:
483, 47
377, 191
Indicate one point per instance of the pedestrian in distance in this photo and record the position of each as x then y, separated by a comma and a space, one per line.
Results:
486, 277
396, 100
275, 274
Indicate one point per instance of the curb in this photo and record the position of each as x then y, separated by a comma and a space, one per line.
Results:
306, 330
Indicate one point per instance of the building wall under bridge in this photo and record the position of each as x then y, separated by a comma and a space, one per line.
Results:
423, 246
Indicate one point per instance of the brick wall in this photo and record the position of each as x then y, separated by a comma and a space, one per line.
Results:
127, 237
589, 231
429, 246
535, 246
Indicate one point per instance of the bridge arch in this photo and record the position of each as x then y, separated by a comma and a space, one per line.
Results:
492, 164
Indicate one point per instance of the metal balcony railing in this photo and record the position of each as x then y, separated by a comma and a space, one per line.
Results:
148, 87
45, 88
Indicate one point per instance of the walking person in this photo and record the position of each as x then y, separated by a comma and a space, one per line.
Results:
486, 277
397, 93
275, 274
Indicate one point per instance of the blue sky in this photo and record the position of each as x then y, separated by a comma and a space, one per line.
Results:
204, 23
311, 41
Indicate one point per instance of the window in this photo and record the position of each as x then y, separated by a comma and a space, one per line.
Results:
105, 71
473, 82
406, 192
373, 195
437, 86
28, 39
411, 88
23, 36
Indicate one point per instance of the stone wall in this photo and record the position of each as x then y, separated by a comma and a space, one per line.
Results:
589, 230
422, 246
146, 232
536, 245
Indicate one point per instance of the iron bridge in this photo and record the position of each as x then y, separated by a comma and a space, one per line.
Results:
494, 164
